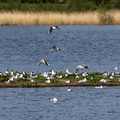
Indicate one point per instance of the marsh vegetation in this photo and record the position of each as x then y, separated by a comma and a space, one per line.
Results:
73, 18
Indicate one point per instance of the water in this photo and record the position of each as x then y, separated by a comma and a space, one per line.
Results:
22, 47
83, 103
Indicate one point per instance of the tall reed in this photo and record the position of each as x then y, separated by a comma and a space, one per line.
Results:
53, 18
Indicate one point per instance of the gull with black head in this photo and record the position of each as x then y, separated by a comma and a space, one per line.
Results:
80, 67
53, 28
54, 48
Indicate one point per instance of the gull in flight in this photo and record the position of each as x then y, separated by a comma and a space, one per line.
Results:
43, 62
53, 28
80, 67
54, 48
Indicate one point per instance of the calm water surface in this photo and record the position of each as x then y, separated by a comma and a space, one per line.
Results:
83, 103
21, 47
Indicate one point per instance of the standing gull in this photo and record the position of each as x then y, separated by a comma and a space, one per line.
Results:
80, 67
54, 48
43, 62
53, 28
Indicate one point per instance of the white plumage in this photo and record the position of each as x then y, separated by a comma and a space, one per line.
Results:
80, 67
43, 62
53, 99
53, 28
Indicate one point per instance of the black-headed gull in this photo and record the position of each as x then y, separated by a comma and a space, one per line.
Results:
43, 62
80, 67
53, 28
54, 48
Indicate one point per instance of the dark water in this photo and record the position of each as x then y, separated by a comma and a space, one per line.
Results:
21, 47
83, 103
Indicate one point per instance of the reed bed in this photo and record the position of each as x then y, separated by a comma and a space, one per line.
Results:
53, 18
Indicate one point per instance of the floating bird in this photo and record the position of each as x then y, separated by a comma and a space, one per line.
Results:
53, 28
43, 62
80, 67
99, 87
69, 89
53, 99
54, 48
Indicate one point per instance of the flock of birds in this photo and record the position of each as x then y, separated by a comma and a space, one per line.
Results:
79, 67
45, 74
55, 48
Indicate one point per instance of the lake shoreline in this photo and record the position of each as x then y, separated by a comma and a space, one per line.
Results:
24, 80
3, 85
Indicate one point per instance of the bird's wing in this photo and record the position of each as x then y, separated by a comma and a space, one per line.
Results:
40, 62
78, 68
50, 29
54, 47
46, 63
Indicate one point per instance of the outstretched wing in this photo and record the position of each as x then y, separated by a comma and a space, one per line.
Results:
54, 47
50, 30
46, 63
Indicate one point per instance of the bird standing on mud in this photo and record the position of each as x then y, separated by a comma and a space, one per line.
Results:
53, 28
43, 62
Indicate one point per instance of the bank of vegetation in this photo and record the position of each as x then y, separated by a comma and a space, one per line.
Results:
59, 5
17, 79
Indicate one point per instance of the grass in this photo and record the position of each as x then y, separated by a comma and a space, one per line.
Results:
55, 18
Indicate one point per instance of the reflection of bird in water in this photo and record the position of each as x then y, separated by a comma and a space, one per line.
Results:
80, 67
43, 62
54, 48
53, 28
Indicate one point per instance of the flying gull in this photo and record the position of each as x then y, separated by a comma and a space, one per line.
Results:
80, 67
43, 62
54, 48
53, 28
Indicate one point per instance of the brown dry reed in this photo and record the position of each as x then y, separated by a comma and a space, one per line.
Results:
54, 18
